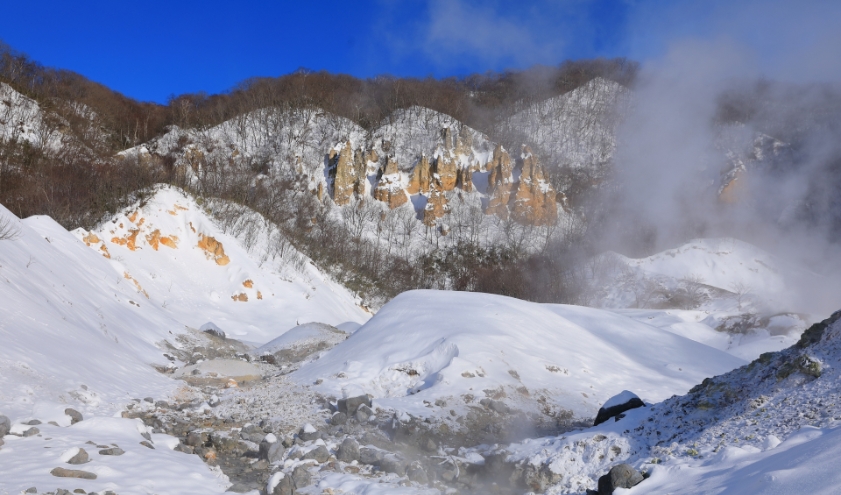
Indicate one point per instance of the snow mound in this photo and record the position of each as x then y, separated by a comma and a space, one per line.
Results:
184, 263
426, 345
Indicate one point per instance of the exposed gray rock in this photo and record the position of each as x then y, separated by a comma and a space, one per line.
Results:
275, 453
75, 416
619, 476
363, 413
391, 463
339, 418
348, 451
184, 448
416, 473
301, 477
34, 422
31, 489
112, 451
5, 426
80, 458
319, 454
499, 406
31, 432
308, 433
147, 444
349, 405
252, 433
194, 439
369, 455
72, 473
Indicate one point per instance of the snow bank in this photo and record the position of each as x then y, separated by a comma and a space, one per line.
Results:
425, 345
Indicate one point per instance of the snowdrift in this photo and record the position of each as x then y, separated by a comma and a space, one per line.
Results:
426, 345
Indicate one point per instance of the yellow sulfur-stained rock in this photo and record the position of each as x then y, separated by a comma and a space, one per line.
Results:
213, 250
500, 183
534, 201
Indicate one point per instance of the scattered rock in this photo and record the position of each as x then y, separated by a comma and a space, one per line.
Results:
5, 426
184, 448
72, 473
147, 444
368, 455
81, 457
112, 451
616, 405
338, 419
319, 454
619, 476
351, 404
391, 463
348, 451
363, 413
34, 422
194, 439
308, 433
31, 489
416, 473
75, 416
31, 432
301, 477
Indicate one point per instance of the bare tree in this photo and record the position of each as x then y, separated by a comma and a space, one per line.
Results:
741, 290
9, 230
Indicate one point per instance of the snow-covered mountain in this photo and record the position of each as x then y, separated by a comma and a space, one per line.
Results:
576, 129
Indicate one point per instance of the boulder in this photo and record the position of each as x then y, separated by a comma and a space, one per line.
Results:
338, 419
348, 450
81, 457
363, 413
319, 454
619, 476
351, 404
112, 451
309, 433
616, 405
72, 473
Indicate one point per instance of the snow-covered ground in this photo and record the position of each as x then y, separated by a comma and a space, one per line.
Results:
82, 325
250, 283
425, 346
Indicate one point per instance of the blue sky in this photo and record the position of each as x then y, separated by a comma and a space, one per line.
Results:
152, 49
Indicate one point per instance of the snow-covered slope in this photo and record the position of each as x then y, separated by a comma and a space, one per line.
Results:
250, 282
722, 292
762, 428
22, 119
73, 329
429, 345
575, 129
408, 133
